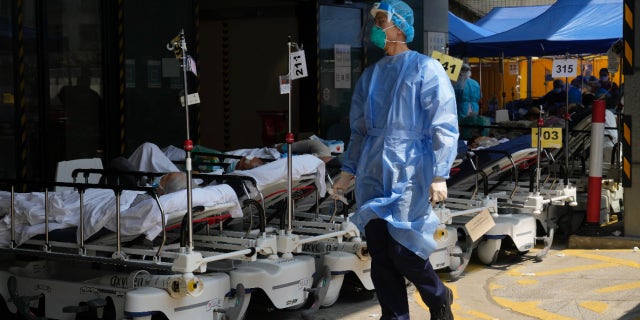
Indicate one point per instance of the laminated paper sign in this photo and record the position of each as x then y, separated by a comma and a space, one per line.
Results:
479, 225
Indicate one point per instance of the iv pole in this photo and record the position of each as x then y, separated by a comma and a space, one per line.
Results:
179, 46
289, 139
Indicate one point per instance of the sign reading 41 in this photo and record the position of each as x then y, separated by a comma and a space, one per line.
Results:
450, 64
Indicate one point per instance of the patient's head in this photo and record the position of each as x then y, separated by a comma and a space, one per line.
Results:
172, 182
482, 141
247, 163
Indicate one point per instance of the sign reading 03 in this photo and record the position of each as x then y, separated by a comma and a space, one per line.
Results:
551, 137
450, 64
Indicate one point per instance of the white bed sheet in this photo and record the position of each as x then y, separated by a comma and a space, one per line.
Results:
149, 222
100, 211
276, 171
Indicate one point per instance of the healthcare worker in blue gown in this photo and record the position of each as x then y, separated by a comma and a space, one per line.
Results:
404, 132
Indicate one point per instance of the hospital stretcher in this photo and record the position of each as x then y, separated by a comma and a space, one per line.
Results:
520, 210
66, 280
335, 242
326, 232
271, 274
454, 243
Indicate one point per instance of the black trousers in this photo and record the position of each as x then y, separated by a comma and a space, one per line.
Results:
391, 263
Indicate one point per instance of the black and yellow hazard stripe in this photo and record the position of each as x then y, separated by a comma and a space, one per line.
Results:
196, 58
628, 36
318, 87
121, 77
226, 86
626, 151
19, 98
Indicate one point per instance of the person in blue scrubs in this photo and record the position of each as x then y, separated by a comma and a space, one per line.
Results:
404, 132
468, 94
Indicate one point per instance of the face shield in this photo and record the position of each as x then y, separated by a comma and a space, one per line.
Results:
394, 12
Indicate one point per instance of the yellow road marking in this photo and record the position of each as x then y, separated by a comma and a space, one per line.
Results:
595, 306
455, 308
623, 262
493, 286
480, 315
620, 287
418, 299
529, 308
472, 267
517, 273
526, 282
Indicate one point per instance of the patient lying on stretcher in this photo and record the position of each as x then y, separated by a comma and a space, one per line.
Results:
140, 214
250, 158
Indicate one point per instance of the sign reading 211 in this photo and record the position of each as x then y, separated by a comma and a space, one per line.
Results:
297, 65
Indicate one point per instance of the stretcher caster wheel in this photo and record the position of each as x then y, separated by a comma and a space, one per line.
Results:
488, 250
4, 309
239, 308
456, 258
318, 292
333, 291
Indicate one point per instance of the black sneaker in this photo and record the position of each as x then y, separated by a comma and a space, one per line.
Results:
444, 313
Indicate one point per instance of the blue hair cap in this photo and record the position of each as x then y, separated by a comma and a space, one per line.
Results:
402, 16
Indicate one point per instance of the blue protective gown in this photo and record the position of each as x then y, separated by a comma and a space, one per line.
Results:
468, 98
404, 131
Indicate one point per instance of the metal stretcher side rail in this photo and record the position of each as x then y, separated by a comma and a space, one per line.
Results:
99, 217
493, 161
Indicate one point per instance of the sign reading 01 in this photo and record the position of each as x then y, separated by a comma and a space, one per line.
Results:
450, 64
551, 137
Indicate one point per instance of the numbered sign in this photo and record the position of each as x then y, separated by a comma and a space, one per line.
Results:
564, 68
551, 137
297, 65
450, 64
513, 68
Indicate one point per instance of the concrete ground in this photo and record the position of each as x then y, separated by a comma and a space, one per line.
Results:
580, 278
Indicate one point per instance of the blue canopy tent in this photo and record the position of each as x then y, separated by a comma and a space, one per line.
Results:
461, 32
568, 26
501, 19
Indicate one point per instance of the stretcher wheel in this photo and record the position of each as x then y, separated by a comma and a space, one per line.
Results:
334, 291
488, 250
456, 258
4, 309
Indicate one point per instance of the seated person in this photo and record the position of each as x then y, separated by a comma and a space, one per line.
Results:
611, 88
575, 91
554, 100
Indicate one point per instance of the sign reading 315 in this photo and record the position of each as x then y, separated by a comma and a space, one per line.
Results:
564, 68
450, 64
